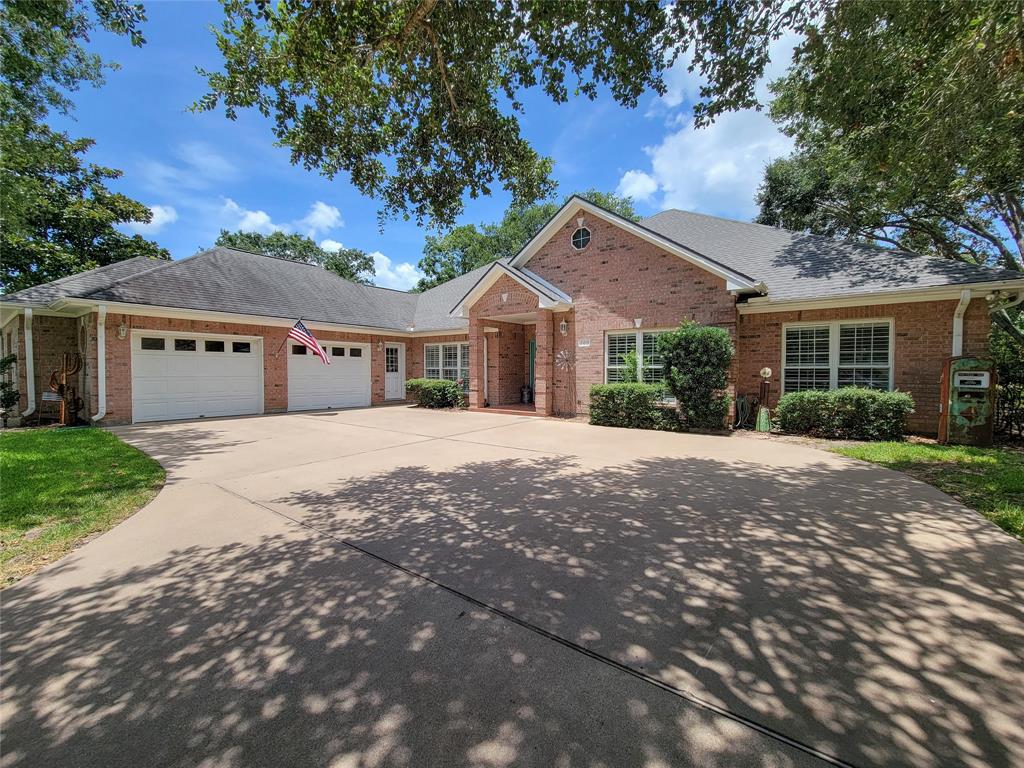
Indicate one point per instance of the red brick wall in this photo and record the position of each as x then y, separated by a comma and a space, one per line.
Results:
51, 338
923, 338
275, 367
613, 281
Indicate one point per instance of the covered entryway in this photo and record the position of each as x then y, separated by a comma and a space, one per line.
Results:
191, 375
345, 383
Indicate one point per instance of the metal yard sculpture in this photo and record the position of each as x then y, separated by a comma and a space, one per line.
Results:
62, 382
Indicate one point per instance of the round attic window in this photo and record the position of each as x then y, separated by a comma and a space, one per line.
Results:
581, 238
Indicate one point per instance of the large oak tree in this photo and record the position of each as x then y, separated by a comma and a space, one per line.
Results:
417, 101
57, 214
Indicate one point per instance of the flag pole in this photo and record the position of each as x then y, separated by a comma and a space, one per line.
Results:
285, 341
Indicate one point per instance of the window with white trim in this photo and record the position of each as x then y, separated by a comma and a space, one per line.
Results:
447, 361
620, 343
837, 354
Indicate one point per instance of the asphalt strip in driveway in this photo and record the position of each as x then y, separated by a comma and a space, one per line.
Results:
537, 630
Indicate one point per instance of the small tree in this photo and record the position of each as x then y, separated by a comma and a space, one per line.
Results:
9, 395
697, 359
632, 370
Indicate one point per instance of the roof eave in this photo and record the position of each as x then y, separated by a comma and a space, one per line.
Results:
762, 304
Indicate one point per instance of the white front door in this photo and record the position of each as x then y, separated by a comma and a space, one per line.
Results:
345, 383
394, 371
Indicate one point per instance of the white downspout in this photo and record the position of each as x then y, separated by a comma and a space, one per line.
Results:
101, 362
30, 368
958, 322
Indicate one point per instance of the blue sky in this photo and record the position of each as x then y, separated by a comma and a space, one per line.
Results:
202, 172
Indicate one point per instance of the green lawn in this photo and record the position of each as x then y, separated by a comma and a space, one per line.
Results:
990, 480
59, 486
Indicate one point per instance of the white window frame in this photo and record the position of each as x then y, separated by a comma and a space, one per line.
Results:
639, 341
462, 356
833, 346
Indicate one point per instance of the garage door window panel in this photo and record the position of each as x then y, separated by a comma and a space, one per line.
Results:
177, 377
241, 347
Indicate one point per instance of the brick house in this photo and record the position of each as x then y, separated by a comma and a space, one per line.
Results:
206, 335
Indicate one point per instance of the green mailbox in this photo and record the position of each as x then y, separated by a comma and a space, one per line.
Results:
968, 401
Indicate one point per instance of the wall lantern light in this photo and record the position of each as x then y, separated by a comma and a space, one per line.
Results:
563, 327
380, 345
122, 330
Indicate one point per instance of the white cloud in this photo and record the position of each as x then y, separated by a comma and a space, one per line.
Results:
390, 275
162, 216
331, 246
715, 169
238, 218
321, 218
637, 184
196, 165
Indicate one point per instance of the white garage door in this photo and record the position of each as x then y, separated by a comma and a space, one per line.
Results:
185, 376
345, 383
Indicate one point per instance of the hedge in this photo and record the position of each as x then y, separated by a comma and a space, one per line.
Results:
851, 413
633, 405
435, 393
697, 360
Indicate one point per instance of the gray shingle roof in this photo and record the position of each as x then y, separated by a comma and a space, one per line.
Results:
84, 282
795, 265
434, 307
230, 280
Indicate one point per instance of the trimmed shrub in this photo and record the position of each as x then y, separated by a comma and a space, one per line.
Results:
435, 393
851, 413
697, 360
626, 404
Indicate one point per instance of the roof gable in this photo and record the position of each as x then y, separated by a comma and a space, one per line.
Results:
548, 296
736, 280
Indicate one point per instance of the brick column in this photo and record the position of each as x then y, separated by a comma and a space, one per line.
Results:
476, 362
545, 374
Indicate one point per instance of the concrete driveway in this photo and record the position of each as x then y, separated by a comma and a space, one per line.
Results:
410, 588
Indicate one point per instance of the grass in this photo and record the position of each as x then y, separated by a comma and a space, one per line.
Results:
990, 480
61, 486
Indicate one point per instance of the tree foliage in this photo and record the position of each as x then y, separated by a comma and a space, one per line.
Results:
467, 247
697, 360
57, 214
909, 123
417, 101
349, 263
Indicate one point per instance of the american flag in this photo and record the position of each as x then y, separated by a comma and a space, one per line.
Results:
301, 333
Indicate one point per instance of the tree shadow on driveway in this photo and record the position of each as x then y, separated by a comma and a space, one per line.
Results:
297, 651
845, 606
